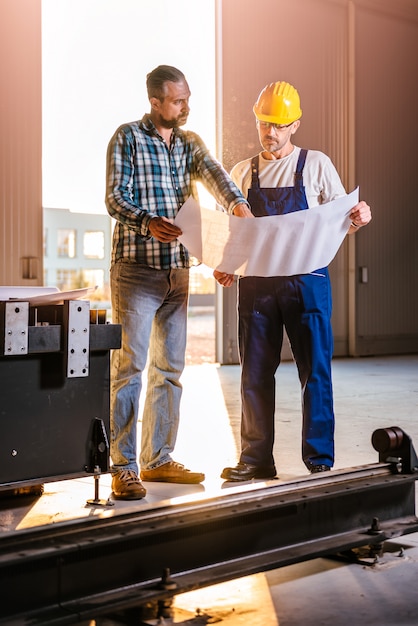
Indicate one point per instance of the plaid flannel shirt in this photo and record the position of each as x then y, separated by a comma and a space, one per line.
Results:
146, 178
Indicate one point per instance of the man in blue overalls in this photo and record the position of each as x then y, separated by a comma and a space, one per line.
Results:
281, 179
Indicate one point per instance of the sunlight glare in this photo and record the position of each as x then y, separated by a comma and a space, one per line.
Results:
96, 55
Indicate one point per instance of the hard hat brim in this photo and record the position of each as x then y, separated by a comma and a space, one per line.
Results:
273, 120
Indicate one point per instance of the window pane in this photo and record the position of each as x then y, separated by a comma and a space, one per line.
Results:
66, 243
94, 278
67, 279
94, 244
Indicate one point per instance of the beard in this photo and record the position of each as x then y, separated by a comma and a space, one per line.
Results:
175, 122
270, 144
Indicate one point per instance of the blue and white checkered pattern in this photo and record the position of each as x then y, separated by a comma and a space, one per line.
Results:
147, 178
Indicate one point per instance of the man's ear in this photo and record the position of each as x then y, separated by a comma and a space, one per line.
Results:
295, 126
155, 103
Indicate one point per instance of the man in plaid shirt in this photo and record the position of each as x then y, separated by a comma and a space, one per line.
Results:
152, 168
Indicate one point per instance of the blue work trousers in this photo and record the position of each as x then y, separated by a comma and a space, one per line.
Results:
302, 305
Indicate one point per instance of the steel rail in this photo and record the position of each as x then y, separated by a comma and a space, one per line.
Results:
71, 571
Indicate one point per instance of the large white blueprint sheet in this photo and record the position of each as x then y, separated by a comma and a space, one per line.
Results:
279, 245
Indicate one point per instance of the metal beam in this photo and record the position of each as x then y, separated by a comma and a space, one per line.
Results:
78, 570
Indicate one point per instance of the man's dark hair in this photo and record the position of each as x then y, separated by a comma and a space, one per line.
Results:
159, 76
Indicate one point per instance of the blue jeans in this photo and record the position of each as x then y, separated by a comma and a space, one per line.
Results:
151, 306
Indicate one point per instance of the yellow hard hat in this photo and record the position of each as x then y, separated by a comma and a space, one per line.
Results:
278, 103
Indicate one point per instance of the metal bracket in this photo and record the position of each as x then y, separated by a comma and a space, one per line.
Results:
76, 337
16, 319
98, 448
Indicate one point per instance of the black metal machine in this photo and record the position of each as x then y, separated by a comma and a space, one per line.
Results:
54, 382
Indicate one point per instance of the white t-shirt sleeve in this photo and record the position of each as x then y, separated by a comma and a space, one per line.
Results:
241, 175
321, 179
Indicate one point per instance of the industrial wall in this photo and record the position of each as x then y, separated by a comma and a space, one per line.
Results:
354, 64
20, 143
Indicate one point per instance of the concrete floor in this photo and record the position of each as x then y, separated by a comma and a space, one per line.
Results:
369, 393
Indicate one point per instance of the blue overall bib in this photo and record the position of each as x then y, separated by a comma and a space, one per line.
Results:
302, 305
